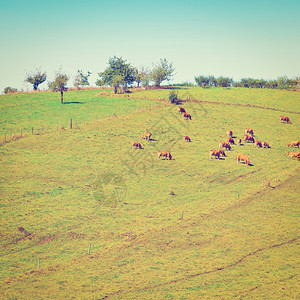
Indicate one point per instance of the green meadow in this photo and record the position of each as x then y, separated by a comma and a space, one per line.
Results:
85, 216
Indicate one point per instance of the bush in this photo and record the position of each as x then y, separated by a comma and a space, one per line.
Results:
173, 97
10, 90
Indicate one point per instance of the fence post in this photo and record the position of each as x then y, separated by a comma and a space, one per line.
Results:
32, 130
71, 124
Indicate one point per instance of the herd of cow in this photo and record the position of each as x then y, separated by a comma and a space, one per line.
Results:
248, 137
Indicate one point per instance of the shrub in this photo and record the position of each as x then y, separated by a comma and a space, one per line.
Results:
10, 90
173, 97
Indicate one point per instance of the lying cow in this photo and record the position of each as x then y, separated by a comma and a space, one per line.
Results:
285, 119
187, 116
225, 145
230, 140
186, 138
244, 158
166, 154
294, 154
293, 144
136, 145
248, 138
181, 110
265, 145
146, 135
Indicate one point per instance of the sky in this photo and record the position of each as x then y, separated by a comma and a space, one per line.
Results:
233, 38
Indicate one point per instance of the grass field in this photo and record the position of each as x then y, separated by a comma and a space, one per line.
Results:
104, 220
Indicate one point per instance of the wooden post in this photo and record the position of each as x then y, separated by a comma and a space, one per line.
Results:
182, 215
11, 134
71, 124
32, 130
76, 123
89, 251
213, 204
4, 138
38, 264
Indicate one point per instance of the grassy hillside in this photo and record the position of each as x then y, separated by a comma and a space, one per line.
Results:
186, 228
267, 98
43, 111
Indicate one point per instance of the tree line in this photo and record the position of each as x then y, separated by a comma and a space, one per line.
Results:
120, 75
282, 82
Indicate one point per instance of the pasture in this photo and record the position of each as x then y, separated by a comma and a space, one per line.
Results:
85, 215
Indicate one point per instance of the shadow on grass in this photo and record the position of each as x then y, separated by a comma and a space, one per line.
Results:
74, 102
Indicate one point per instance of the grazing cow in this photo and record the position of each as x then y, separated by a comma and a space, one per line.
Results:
187, 116
146, 135
136, 145
229, 133
166, 154
214, 153
294, 154
239, 141
244, 158
225, 145
293, 144
186, 138
285, 119
248, 138
258, 144
265, 145
221, 152
181, 110
230, 140
249, 130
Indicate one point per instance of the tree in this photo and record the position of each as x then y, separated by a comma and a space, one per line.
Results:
9, 90
202, 81
224, 81
36, 78
81, 79
162, 71
119, 73
59, 84
141, 76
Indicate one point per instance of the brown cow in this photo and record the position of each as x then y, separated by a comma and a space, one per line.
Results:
294, 154
229, 133
285, 119
166, 154
249, 130
181, 110
146, 135
221, 152
136, 145
265, 145
225, 145
248, 138
244, 158
214, 153
230, 140
258, 144
187, 116
293, 144
239, 141
186, 138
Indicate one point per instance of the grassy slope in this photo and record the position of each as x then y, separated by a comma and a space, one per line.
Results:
277, 99
23, 111
51, 186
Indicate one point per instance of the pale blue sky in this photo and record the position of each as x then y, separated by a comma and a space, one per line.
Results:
258, 38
